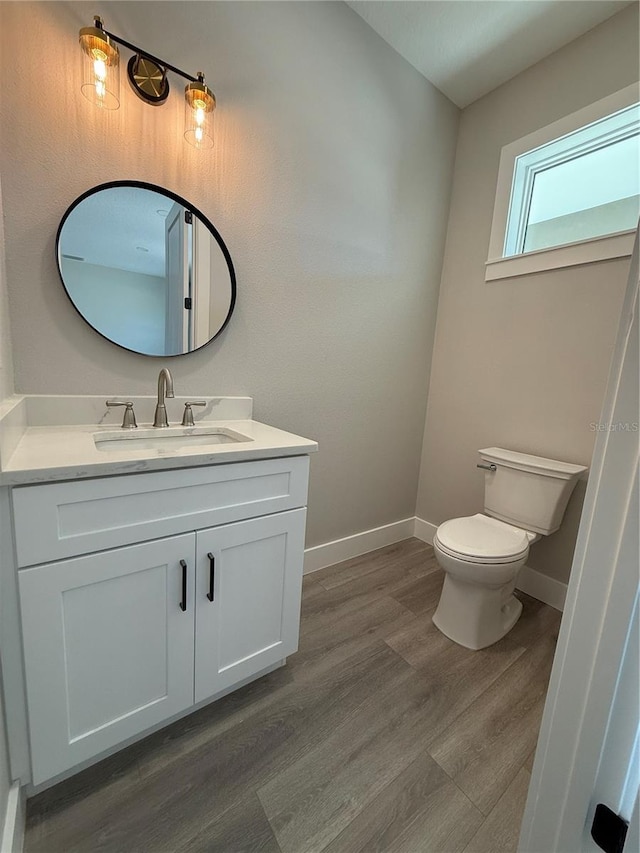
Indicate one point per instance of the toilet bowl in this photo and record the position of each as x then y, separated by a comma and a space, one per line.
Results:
481, 555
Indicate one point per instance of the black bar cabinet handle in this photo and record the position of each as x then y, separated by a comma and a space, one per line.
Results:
183, 603
212, 575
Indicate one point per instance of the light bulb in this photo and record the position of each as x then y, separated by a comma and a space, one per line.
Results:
100, 69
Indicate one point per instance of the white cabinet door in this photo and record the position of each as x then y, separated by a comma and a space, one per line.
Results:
253, 572
108, 648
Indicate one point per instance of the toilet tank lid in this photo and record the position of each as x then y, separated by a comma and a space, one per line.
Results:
535, 464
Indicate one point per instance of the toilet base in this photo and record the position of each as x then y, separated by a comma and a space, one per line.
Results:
475, 616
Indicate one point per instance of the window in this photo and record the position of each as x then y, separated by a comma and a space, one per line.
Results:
583, 185
570, 193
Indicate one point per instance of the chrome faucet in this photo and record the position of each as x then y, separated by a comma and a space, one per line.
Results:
165, 389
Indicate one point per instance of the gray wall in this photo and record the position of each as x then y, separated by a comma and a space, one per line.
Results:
127, 307
330, 184
521, 363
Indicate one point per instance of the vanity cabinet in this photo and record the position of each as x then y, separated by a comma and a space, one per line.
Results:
119, 639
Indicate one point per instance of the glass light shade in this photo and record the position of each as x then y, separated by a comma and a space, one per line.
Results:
199, 105
100, 68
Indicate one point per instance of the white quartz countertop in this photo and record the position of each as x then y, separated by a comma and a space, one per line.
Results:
36, 452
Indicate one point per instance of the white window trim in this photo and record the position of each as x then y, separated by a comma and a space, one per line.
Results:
621, 124
610, 246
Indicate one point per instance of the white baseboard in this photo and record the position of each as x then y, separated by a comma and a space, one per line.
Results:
360, 543
534, 583
424, 530
545, 589
13, 833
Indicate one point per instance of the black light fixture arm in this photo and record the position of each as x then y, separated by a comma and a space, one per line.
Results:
140, 52
156, 90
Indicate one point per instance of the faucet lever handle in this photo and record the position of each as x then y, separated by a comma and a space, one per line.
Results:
187, 418
129, 418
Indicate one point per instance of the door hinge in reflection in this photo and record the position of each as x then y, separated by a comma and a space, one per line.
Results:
608, 829
188, 217
187, 303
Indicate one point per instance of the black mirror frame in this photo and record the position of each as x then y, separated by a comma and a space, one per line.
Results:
186, 204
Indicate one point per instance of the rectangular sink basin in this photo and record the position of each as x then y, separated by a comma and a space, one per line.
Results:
169, 439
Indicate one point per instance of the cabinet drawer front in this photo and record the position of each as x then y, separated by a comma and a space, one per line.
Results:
59, 520
108, 648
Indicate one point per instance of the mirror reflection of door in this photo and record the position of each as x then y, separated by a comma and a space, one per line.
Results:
202, 284
145, 268
177, 244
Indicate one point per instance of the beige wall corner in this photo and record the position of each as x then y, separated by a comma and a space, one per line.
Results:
521, 363
6, 389
6, 355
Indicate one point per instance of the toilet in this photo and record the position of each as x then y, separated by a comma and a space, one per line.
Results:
525, 497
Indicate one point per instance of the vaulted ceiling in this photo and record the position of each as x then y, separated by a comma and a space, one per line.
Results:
468, 47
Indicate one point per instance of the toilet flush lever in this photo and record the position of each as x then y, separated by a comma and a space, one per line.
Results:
489, 467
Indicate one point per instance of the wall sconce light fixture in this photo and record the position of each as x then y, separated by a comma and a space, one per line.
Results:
100, 67
148, 77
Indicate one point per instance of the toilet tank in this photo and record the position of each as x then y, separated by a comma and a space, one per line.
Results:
528, 491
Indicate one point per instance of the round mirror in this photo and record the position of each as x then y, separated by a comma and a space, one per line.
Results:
145, 268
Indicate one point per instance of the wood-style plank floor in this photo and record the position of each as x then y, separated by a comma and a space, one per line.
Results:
380, 734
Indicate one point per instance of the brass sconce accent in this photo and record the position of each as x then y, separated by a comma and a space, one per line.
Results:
148, 79
147, 75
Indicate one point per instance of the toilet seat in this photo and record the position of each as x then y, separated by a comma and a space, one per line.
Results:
480, 561
483, 540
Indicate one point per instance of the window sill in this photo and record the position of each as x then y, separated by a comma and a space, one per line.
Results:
611, 246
